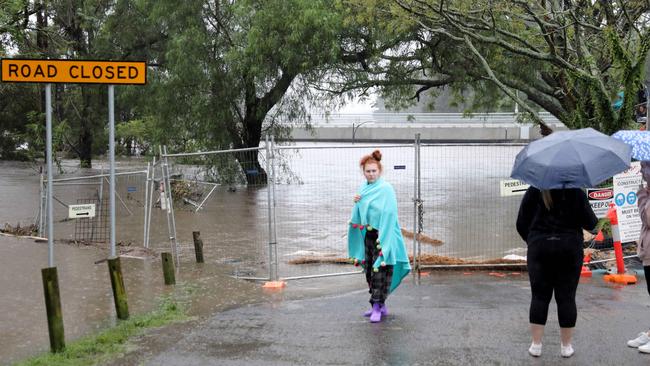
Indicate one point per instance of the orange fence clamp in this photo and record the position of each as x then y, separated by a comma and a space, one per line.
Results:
623, 279
497, 274
274, 284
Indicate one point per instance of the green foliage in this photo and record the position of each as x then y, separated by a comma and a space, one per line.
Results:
112, 342
566, 58
605, 226
138, 134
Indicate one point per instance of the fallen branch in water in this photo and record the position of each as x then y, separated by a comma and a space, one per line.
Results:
18, 230
422, 238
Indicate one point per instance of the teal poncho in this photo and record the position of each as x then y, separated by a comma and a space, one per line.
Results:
378, 209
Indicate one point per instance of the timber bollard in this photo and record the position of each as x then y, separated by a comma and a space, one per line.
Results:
168, 268
198, 246
53, 308
119, 292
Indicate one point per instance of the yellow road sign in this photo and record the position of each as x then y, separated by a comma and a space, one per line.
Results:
74, 72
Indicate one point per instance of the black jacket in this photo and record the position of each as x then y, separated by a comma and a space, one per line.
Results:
569, 214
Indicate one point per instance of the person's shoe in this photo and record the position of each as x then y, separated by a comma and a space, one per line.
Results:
375, 316
640, 340
645, 348
566, 351
383, 309
535, 349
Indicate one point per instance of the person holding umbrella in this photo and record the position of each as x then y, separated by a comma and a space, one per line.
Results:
553, 212
640, 143
642, 341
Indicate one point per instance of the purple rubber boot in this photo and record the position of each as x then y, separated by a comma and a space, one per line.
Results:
375, 317
382, 308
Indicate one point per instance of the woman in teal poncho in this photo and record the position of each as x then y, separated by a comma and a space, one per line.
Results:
374, 236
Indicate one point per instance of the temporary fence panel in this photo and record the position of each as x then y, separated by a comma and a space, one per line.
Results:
462, 203
223, 195
314, 193
94, 189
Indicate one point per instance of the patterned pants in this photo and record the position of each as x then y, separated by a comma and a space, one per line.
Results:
378, 282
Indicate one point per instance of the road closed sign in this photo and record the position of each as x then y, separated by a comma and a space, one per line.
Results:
81, 211
73, 72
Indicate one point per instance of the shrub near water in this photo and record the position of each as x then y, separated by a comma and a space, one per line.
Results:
111, 342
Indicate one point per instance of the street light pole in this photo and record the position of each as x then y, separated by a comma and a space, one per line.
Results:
355, 128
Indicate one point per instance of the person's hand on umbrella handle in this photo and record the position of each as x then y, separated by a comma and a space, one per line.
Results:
357, 198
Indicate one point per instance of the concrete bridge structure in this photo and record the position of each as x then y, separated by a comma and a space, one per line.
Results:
433, 127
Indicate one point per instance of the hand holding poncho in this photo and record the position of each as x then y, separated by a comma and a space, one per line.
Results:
378, 209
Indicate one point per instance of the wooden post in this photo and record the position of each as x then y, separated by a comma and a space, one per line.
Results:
198, 246
168, 268
119, 292
53, 308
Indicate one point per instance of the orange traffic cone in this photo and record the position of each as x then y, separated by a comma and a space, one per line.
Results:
600, 236
586, 272
620, 276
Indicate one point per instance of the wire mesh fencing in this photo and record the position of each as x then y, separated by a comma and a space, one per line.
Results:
462, 203
223, 195
131, 200
314, 191
282, 211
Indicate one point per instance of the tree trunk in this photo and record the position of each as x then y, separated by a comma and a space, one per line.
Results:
249, 161
85, 146
86, 134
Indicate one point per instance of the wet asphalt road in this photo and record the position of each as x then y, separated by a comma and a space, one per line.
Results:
448, 319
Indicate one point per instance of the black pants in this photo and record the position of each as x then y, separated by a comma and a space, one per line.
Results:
646, 270
378, 282
554, 265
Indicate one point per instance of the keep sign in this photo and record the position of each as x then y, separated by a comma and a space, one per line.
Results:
74, 72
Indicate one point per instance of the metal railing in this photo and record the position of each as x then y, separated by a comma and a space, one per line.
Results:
348, 119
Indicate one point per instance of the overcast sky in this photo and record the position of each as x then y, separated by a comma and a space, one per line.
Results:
358, 106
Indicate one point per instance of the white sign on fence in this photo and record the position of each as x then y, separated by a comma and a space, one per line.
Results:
626, 185
513, 187
599, 199
81, 211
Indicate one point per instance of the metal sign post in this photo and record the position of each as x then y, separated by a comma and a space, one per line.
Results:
111, 157
50, 193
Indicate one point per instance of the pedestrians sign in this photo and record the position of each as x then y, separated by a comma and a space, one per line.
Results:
81, 211
513, 187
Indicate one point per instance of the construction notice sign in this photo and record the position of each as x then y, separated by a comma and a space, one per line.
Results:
81, 211
74, 72
626, 184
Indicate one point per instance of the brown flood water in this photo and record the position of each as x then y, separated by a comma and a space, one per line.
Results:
87, 302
